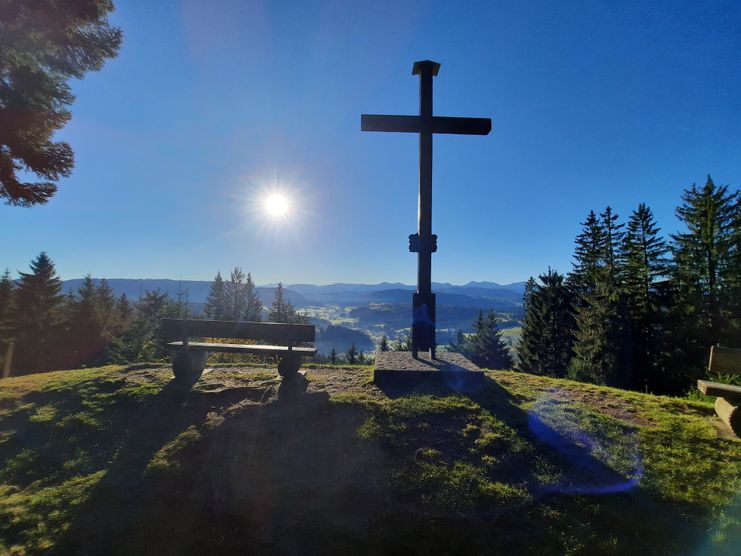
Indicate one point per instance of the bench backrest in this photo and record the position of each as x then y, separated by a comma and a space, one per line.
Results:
180, 329
725, 360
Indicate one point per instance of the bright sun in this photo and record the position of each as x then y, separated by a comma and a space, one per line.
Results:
276, 205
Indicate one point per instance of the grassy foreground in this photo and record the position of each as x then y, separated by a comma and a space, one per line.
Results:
124, 461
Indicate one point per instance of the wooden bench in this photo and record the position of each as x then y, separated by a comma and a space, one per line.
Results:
724, 361
190, 358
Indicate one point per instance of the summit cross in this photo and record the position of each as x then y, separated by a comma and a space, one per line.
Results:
424, 242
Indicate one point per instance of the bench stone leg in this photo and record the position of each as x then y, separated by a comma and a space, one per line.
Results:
289, 364
729, 414
187, 366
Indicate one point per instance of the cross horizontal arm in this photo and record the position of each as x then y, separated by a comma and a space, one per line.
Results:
416, 124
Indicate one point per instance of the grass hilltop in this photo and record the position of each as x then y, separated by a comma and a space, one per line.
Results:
120, 460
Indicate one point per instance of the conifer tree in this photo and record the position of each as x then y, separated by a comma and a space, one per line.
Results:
44, 44
236, 298
486, 345
383, 345
602, 335
589, 255
216, 302
597, 349
7, 305
107, 308
254, 305
545, 342
612, 244
39, 316
124, 311
281, 310
645, 265
704, 269
85, 334
351, 354
333, 356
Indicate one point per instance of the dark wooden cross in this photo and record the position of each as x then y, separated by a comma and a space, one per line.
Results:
424, 242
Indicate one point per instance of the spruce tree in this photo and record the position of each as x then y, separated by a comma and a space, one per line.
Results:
7, 305
588, 255
107, 308
39, 317
236, 299
645, 265
351, 354
612, 236
704, 264
486, 345
124, 311
254, 305
383, 345
333, 356
596, 351
281, 309
216, 302
602, 335
44, 44
545, 343
85, 336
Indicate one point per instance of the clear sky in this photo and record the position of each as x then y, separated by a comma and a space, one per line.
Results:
211, 104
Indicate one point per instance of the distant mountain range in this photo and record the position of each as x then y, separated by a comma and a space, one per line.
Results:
484, 295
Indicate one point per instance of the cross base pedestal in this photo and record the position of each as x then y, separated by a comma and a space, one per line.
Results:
423, 323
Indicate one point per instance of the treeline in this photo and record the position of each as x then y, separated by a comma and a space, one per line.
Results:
638, 311
92, 326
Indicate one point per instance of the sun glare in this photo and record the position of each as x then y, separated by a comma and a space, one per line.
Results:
276, 205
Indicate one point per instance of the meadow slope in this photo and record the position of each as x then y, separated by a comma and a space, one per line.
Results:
122, 460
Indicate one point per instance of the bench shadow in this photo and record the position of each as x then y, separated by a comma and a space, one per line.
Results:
141, 431
256, 480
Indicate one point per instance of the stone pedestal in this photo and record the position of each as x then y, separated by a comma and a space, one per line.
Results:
399, 369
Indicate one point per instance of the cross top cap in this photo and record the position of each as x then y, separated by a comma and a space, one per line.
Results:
422, 65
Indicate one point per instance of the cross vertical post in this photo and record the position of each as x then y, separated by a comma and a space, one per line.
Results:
423, 301
424, 242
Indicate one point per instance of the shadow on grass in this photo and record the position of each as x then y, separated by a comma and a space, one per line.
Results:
589, 506
263, 474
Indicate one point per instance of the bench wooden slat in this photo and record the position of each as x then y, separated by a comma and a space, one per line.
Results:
243, 348
268, 331
728, 391
725, 360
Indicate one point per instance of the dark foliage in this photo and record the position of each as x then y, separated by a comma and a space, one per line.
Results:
44, 44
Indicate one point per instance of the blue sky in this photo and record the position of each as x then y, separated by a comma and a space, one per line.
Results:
211, 104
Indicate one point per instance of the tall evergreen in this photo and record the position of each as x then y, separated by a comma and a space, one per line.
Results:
236, 300
216, 302
705, 266
281, 309
645, 266
597, 347
124, 311
588, 255
612, 246
85, 336
39, 317
602, 335
545, 343
253, 310
7, 305
486, 346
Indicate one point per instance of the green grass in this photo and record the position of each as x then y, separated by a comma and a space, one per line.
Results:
122, 460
